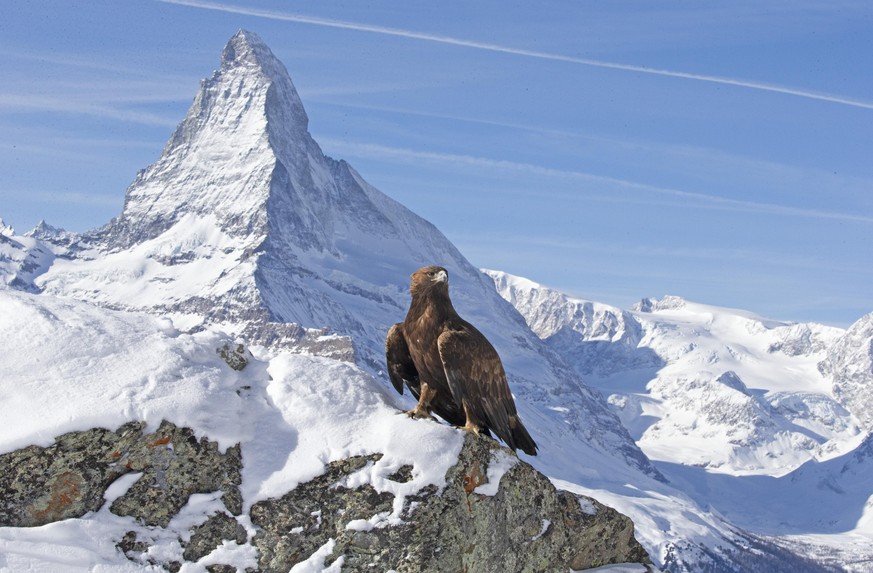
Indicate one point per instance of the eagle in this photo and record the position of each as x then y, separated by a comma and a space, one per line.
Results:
450, 367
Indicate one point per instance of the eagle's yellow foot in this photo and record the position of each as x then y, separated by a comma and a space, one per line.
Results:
422, 408
419, 413
471, 428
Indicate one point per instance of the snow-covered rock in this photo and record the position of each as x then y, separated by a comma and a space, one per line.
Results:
849, 362
22, 258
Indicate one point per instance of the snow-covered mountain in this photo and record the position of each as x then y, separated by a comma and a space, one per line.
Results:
244, 230
746, 415
23, 258
850, 364
741, 394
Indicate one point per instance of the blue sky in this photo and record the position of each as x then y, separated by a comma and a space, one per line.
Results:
719, 151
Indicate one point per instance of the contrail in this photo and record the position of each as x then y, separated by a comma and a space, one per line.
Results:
330, 23
704, 200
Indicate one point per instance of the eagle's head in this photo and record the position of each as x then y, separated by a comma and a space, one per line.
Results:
428, 279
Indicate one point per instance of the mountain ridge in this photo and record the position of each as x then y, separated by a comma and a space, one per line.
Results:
712, 375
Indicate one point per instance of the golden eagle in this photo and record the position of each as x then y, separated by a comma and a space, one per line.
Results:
450, 367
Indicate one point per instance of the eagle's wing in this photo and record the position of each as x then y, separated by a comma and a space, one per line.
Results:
401, 369
476, 377
477, 380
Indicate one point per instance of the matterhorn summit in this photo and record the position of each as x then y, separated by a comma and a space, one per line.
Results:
244, 222
246, 127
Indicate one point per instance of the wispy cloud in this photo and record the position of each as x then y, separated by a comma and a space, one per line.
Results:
71, 61
597, 182
67, 197
81, 150
449, 40
16, 102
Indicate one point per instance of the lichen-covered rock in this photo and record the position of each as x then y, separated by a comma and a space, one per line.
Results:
69, 478
294, 526
176, 465
520, 524
602, 536
495, 514
211, 533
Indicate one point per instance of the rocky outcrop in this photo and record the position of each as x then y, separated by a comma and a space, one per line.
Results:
70, 477
520, 523
495, 513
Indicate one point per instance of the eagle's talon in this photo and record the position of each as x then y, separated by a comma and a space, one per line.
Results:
471, 429
417, 414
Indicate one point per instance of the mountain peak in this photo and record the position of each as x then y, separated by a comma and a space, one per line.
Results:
247, 53
245, 48
247, 124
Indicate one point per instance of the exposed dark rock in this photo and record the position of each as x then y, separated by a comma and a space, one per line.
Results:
70, 477
526, 526
221, 568
211, 533
402, 475
130, 545
237, 358
176, 465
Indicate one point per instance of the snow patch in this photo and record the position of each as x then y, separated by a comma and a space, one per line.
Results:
315, 562
500, 463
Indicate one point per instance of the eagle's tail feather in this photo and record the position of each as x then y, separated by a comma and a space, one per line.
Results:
521, 438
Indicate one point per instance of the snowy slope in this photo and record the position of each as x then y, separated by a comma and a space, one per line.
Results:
79, 366
700, 385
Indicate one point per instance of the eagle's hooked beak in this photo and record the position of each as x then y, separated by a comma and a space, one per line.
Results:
441, 277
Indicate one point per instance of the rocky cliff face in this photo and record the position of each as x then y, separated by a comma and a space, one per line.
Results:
495, 514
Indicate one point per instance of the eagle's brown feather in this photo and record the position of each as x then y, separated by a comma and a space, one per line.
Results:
400, 367
435, 346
